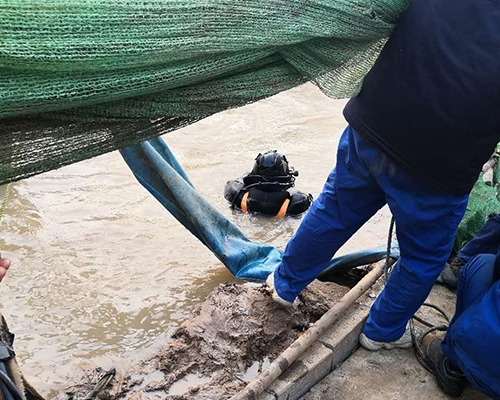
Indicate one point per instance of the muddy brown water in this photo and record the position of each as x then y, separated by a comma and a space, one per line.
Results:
102, 273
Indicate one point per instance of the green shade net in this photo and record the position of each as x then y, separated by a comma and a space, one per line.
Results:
79, 78
483, 201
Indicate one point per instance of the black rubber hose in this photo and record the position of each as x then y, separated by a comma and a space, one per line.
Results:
388, 254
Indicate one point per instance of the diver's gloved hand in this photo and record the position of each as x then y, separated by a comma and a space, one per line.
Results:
4, 266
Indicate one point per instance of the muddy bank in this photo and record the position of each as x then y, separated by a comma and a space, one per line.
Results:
236, 331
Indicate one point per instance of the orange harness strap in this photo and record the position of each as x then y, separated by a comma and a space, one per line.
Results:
244, 206
283, 209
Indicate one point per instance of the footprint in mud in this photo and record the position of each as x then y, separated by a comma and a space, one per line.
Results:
241, 324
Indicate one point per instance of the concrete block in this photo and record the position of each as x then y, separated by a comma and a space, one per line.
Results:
303, 373
343, 336
381, 375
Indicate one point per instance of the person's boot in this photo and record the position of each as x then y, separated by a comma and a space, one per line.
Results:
404, 342
449, 378
450, 274
274, 294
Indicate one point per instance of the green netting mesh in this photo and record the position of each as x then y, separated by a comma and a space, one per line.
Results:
82, 77
484, 201
79, 78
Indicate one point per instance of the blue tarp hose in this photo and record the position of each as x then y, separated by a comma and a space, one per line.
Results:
156, 168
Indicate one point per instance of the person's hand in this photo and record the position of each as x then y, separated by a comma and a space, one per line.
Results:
4, 266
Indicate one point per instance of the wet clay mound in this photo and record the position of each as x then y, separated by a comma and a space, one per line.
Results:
237, 330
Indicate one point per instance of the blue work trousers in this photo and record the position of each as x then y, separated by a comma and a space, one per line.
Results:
364, 180
472, 342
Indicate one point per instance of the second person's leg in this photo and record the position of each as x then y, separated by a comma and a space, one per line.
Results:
426, 224
349, 198
476, 278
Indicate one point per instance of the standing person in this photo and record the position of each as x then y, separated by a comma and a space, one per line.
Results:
425, 122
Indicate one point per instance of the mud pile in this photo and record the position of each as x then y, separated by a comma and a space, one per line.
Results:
236, 331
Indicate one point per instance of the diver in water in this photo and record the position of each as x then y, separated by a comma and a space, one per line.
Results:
266, 189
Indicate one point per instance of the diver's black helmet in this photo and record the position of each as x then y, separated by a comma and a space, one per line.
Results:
271, 163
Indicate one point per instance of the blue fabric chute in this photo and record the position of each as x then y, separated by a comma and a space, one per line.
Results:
157, 169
